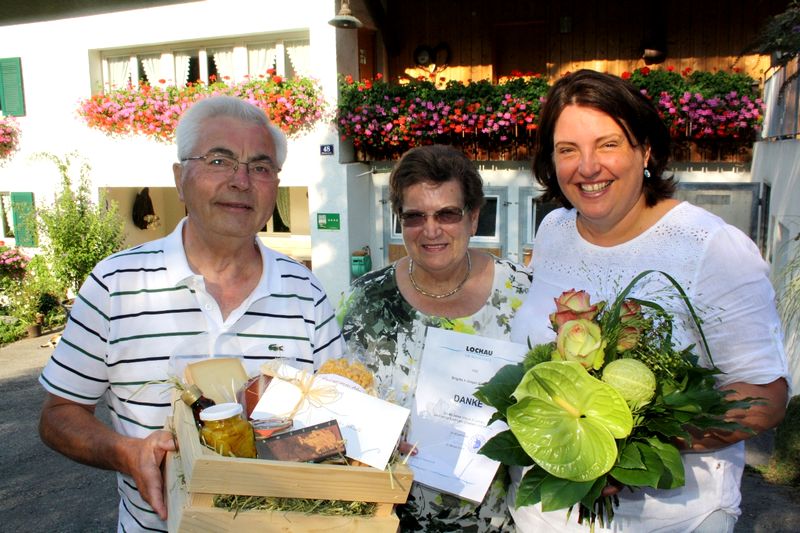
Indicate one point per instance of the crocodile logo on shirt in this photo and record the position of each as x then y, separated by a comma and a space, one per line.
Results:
275, 348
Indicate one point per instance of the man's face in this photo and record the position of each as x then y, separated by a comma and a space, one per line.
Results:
227, 204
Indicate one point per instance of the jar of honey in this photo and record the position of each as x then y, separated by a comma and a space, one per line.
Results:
226, 431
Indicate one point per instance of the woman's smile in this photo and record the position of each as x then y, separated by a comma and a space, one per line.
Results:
595, 187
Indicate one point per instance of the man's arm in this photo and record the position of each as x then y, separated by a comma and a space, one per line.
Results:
72, 429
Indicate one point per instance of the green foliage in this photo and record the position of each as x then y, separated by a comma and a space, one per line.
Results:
780, 35
656, 81
11, 331
35, 298
715, 84
784, 465
79, 233
538, 354
708, 84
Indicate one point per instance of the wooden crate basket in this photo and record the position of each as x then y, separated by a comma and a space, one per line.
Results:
195, 474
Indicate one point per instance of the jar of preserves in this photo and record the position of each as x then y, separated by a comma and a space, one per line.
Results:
226, 431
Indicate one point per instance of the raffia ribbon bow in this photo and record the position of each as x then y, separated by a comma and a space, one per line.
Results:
313, 392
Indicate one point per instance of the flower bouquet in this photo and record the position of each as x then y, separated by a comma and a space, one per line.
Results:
607, 403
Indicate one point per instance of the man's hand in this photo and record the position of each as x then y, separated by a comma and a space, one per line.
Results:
146, 457
72, 429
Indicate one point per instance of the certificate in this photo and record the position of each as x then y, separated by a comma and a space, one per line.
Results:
371, 427
448, 424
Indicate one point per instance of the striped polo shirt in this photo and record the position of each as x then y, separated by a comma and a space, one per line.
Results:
143, 314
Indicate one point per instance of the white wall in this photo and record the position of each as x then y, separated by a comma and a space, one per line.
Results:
778, 163
56, 71
60, 57
330, 251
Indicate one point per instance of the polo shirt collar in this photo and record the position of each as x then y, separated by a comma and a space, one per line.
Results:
175, 256
178, 270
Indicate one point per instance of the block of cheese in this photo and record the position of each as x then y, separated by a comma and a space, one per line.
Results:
219, 378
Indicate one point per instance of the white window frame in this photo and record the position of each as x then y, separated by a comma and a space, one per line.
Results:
199, 49
527, 197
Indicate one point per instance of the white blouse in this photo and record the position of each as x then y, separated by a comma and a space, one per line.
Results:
727, 282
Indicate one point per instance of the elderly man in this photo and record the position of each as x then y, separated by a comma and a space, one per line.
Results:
211, 278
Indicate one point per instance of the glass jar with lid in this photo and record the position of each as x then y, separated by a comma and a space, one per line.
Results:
226, 431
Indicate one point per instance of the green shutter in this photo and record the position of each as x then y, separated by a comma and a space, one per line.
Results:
24, 223
12, 98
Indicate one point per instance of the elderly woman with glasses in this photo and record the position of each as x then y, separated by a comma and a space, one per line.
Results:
437, 194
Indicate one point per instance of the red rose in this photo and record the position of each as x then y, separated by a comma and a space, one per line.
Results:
573, 305
631, 318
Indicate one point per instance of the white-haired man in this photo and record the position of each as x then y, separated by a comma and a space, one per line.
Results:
210, 277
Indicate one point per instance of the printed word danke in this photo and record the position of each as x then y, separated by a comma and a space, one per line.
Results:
467, 400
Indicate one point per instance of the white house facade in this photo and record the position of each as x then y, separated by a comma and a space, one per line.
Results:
65, 60
335, 206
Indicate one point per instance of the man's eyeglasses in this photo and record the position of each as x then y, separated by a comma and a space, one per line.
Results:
224, 166
415, 219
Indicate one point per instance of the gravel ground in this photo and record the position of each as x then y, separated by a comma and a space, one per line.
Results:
43, 491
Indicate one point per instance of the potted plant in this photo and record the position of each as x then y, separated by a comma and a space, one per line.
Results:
33, 299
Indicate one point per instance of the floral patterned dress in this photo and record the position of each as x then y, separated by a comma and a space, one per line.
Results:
388, 335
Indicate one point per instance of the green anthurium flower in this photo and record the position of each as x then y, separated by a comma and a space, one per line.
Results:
567, 420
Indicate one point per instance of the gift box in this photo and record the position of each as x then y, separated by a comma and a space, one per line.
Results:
195, 474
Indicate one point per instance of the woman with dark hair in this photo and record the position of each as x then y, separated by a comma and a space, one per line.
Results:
602, 150
627, 108
437, 194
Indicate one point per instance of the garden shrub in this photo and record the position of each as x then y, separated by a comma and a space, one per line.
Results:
78, 233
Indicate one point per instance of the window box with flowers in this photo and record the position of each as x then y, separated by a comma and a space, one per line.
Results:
488, 121
711, 116
9, 138
294, 105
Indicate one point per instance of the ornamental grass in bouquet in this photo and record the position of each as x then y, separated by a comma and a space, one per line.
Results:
609, 402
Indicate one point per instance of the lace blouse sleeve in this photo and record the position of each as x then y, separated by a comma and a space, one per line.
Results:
740, 319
